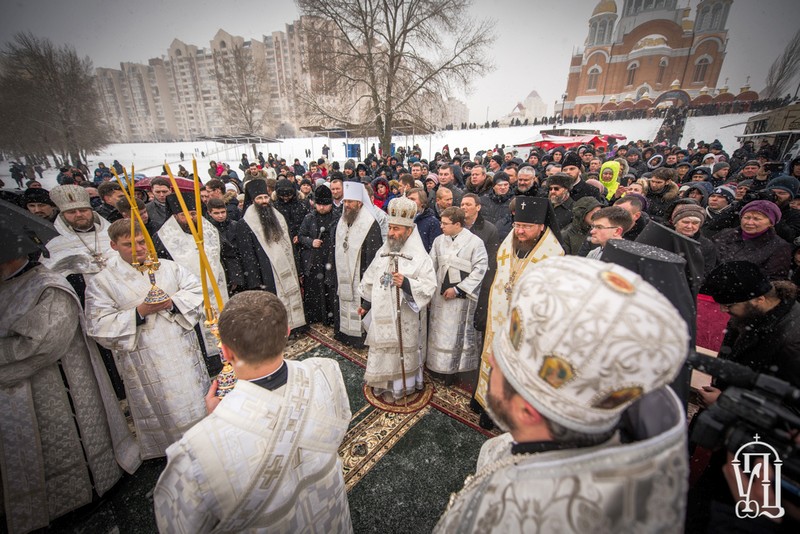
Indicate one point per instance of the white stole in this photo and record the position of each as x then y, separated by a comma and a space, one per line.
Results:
284, 271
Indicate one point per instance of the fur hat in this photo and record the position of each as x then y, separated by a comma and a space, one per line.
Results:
561, 179
587, 386
37, 194
402, 211
70, 197
736, 281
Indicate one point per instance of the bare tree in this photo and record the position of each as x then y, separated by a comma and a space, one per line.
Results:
242, 81
783, 69
391, 59
48, 101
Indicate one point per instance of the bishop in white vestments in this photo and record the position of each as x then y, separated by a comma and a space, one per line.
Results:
155, 345
400, 277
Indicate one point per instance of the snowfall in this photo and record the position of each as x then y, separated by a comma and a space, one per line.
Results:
149, 157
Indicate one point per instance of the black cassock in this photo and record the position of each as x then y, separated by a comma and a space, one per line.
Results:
317, 267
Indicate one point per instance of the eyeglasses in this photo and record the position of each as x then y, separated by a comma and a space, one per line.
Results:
601, 227
443, 223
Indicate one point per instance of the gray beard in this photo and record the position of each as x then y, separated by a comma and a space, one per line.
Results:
497, 415
395, 245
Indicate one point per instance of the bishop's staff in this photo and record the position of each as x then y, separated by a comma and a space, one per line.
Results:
386, 281
227, 377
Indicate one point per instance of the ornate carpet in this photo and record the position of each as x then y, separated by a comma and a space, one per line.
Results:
401, 462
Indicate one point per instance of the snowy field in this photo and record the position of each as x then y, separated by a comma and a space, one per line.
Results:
148, 157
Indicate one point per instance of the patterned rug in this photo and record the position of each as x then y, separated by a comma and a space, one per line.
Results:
401, 463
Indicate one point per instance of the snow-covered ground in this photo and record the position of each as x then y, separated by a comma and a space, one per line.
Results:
722, 127
148, 157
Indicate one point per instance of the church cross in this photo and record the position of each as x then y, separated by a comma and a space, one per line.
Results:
502, 259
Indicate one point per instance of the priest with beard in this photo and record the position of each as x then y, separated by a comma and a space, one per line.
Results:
358, 238
316, 238
265, 252
398, 286
535, 237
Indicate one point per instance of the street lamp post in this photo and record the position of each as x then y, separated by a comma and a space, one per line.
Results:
563, 102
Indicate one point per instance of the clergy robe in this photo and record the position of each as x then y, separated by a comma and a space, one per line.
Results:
172, 243
270, 266
79, 255
316, 264
356, 246
264, 460
160, 359
508, 273
636, 486
62, 432
454, 346
384, 371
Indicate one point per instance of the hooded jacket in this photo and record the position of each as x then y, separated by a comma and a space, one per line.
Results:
612, 185
573, 236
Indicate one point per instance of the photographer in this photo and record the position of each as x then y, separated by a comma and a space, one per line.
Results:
762, 333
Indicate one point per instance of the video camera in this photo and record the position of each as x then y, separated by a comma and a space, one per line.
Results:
751, 404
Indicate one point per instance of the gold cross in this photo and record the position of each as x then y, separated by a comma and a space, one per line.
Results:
502, 259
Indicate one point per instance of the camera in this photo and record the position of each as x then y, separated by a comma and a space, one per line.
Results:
773, 166
752, 404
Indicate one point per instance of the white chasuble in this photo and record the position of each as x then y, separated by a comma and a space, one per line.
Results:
349, 241
453, 344
160, 360
509, 270
263, 461
62, 433
284, 270
637, 486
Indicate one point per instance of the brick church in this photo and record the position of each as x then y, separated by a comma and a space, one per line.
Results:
649, 52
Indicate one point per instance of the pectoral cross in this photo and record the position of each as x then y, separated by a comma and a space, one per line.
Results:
99, 260
502, 259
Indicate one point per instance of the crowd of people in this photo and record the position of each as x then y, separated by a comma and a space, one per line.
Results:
493, 273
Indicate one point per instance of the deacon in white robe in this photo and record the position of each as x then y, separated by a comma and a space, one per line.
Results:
358, 238
460, 261
266, 458
266, 254
155, 346
402, 266
62, 433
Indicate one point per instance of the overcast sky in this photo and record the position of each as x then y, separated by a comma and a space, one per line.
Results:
534, 38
